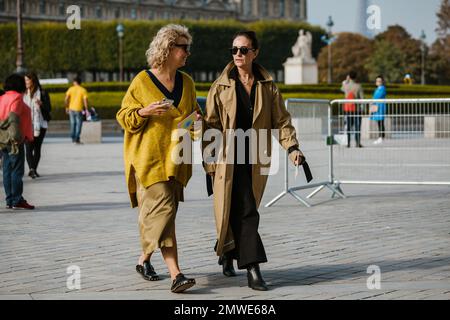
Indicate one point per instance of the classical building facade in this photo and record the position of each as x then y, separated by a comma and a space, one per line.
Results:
251, 10
244, 10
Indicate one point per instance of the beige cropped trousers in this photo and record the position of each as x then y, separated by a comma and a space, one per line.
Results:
158, 205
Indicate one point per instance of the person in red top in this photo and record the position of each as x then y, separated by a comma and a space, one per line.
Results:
14, 164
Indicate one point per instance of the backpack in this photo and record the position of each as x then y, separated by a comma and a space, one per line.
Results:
10, 134
350, 107
93, 115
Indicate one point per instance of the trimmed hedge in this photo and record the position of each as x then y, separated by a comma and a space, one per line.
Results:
107, 103
90, 87
109, 87
394, 89
50, 47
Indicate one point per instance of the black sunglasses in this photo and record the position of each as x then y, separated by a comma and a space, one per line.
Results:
186, 47
243, 50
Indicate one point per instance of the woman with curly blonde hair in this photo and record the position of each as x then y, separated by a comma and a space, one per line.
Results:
156, 101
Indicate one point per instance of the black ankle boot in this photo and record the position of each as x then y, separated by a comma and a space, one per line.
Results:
227, 265
32, 174
255, 280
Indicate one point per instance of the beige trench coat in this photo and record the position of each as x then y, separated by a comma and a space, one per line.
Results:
269, 113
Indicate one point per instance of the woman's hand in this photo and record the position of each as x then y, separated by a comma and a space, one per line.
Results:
39, 102
154, 109
297, 157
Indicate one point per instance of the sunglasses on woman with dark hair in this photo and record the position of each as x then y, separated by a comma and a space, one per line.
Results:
243, 50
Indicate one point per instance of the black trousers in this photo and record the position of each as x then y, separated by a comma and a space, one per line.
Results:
244, 220
381, 129
33, 150
353, 119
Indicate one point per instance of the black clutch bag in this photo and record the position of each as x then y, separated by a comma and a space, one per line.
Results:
209, 185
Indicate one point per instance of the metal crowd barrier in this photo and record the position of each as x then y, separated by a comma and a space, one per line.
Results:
414, 148
310, 120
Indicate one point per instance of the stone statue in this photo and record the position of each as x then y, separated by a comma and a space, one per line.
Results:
302, 48
302, 67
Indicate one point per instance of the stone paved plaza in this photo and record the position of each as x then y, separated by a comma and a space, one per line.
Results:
83, 219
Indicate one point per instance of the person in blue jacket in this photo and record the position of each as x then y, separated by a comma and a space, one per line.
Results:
378, 110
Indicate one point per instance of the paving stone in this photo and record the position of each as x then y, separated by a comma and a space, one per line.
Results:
83, 218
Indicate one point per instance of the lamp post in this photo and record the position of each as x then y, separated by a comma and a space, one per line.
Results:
330, 24
422, 50
120, 33
19, 53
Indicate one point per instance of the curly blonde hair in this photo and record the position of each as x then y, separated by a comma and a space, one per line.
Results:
165, 39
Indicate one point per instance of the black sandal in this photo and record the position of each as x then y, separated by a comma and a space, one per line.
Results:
181, 283
147, 272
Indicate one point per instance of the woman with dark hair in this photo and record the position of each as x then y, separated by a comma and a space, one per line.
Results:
378, 110
245, 97
14, 163
39, 103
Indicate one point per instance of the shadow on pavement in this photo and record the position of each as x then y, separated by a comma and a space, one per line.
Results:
97, 206
315, 274
69, 176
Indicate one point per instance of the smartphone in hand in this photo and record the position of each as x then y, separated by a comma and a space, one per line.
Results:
168, 102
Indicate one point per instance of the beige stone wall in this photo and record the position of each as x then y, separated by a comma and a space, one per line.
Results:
154, 9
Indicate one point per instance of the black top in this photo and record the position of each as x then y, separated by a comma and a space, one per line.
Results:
245, 103
177, 92
245, 106
46, 106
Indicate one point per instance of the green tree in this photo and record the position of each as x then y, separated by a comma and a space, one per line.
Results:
349, 52
7, 50
52, 48
387, 60
438, 66
399, 38
443, 16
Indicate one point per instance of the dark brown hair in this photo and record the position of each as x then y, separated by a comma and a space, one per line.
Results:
352, 74
15, 82
381, 77
251, 35
35, 81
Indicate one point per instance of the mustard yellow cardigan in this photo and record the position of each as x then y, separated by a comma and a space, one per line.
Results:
147, 142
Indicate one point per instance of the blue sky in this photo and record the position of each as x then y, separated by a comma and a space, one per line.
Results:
413, 15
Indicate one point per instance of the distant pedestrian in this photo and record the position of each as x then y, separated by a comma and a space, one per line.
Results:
352, 111
378, 110
76, 100
407, 79
39, 103
1, 159
11, 104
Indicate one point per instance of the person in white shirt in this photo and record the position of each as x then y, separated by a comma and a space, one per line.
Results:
39, 103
